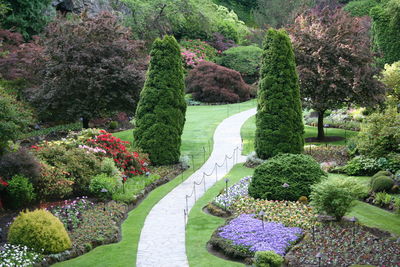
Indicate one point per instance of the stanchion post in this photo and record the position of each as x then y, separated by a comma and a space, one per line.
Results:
194, 191
204, 178
187, 204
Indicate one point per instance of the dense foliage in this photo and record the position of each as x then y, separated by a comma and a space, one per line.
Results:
183, 19
332, 198
20, 162
211, 83
380, 134
334, 60
26, 16
39, 230
277, 13
20, 191
360, 8
16, 56
244, 59
386, 30
160, 115
91, 68
14, 119
391, 78
279, 119
285, 177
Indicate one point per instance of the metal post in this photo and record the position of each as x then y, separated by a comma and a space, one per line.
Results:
204, 183
184, 217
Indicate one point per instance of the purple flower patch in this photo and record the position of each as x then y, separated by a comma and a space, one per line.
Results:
249, 232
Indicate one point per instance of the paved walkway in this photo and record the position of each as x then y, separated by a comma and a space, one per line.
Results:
162, 241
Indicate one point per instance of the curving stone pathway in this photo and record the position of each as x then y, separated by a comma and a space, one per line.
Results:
162, 240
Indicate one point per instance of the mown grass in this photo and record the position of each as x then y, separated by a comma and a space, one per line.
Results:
201, 225
201, 122
249, 129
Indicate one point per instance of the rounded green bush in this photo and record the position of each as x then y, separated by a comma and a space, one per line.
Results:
382, 173
39, 230
244, 59
382, 183
268, 259
285, 177
20, 190
103, 186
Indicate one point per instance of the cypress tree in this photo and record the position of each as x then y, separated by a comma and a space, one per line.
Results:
279, 124
160, 115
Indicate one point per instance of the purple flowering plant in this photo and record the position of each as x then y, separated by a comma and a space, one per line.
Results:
245, 231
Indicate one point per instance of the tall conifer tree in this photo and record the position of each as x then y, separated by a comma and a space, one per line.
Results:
160, 116
279, 121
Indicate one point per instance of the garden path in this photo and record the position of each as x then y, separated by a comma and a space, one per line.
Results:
162, 240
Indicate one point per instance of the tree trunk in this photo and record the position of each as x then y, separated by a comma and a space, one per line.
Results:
321, 133
85, 123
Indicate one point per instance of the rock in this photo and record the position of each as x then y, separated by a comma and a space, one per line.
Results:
92, 7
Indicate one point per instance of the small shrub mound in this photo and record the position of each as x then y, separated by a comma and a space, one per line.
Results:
211, 83
268, 259
21, 192
285, 177
103, 186
333, 198
39, 230
382, 183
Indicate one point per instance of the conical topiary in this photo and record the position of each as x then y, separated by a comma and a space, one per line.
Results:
279, 121
160, 115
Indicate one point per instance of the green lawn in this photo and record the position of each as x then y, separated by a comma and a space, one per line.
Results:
249, 129
375, 217
201, 122
370, 215
201, 225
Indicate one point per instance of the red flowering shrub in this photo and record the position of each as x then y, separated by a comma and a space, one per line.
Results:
130, 162
211, 83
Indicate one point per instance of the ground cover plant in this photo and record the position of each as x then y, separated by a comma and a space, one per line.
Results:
227, 198
344, 245
16, 255
289, 213
249, 235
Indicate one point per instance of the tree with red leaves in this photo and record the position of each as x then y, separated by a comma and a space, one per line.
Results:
92, 68
17, 56
334, 61
211, 83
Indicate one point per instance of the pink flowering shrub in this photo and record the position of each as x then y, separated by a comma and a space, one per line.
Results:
196, 51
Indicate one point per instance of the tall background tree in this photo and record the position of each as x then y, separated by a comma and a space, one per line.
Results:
160, 116
386, 30
334, 61
279, 123
26, 16
91, 68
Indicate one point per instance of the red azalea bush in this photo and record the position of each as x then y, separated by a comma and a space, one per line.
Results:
130, 162
211, 83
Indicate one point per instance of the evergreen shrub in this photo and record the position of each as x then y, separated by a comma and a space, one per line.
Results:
39, 230
285, 177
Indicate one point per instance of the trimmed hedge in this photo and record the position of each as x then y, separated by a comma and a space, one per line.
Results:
160, 115
279, 118
285, 177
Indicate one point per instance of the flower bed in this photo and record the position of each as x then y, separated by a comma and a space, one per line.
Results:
15, 255
344, 245
226, 199
243, 236
293, 214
